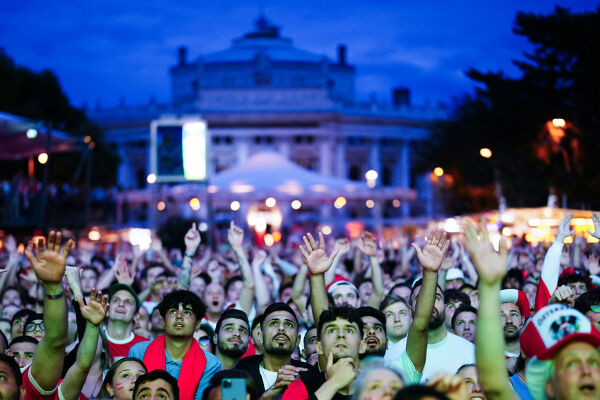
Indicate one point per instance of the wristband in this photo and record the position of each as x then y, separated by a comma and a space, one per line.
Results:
189, 255
54, 296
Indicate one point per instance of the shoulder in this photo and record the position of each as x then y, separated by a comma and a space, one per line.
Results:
138, 349
249, 362
459, 341
211, 359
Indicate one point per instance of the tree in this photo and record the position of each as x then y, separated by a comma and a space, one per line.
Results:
511, 116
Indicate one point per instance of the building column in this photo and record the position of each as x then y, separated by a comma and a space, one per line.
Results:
340, 160
243, 150
405, 175
375, 159
325, 156
284, 148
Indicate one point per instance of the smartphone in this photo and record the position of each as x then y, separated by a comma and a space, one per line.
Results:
233, 389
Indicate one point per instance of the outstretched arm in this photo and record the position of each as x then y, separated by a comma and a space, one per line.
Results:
368, 245
489, 340
49, 266
430, 259
298, 289
318, 263
263, 297
192, 241
94, 313
235, 236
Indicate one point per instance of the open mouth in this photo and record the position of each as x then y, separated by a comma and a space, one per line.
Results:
341, 345
587, 389
281, 339
372, 342
235, 341
179, 325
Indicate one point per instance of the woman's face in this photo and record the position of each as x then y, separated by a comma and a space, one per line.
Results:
380, 384
124, 380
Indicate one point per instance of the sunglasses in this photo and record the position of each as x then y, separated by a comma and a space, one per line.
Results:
595, 308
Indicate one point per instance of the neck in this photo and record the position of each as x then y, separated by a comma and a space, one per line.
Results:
118, 329
512, 347
273, 362
226, 361
213, 316
437, 335
178, 347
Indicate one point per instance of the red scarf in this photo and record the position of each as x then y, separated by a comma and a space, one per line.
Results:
192, 366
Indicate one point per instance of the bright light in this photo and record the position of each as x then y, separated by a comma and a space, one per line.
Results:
87, 139
261, 225
485, 152
451, 225
141, 237
31, 133
194, 203
203, 227
43, 158
507, 231
339, 202
370, 203
235, 205
438, 171
296, 204
160, 206
151, 178
276, 236
326, 229
559, 122
270, 202
193, 146
94, 235
396, 203
371, 175
269, 240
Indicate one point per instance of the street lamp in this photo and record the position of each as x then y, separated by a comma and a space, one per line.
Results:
485, 152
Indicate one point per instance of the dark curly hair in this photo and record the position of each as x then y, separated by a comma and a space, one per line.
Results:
185, 297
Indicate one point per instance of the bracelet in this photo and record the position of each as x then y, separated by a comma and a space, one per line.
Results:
189, 255
55, 296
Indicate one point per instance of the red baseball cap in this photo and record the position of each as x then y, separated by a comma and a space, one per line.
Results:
340, 281
554, 326
517, 297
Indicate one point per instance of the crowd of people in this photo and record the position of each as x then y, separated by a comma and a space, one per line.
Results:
446, 317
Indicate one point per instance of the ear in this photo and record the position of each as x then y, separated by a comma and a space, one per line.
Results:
198, 323
259, 335
319, 347
110, 390
550, 392
22, 392
8, 352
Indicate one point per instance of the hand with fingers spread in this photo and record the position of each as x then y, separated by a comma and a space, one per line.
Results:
50, 262
593, 264
342, 245
564, 229
454, 386
491, 265
315, 255
367, 244
192, 240
123, 274
95, 311
564, 295
596, 221
235, 236
432, 254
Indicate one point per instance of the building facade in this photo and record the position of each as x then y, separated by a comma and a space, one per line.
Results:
264, 92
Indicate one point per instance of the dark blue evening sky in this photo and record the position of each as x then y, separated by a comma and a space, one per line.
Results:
105, 50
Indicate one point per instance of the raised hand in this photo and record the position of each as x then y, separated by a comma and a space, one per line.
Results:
491, 266
96, 309
235, 236
564, 230
593, 264
367, 244
342, 245
596, 221
433, 252
259, 259
315, 256
564, 295
192, 240
49, 264
123, 274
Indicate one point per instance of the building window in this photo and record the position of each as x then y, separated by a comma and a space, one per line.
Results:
261, 78
354, 173
387, 175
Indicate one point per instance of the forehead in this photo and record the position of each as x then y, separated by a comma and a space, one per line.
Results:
343, 290
130, 366
35, 321
123, 293
469, 372
234, 322
417, 290
340, 322
508, 307
182, 305
370, 320
156, 385
214, 288
466, 316
397, 306
576, 349
281, 315
23, 346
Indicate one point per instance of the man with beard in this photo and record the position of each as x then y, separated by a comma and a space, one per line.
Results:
231, 337
514, 310
341, 344
119, 326
375, 338
444, 351
275, 369
177, 352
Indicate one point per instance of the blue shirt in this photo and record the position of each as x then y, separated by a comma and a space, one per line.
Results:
213, 365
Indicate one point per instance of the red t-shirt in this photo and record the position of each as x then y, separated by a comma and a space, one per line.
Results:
33, 391
120, 348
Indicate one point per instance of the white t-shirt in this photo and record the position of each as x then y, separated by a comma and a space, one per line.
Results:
268, 377
448, 355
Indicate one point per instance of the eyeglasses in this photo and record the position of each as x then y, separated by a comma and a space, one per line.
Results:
595, 308
33, 325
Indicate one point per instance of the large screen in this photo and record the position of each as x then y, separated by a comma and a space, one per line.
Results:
179, 150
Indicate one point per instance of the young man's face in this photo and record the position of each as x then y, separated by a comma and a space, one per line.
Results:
469, 374
345, 295
234, 291
8, 384
365, 291
233, 337
510, 314
310, 343
214, 295
122, 306
438, 315
398, 319
88, 280
341, 338
22, 353
465, 325
578, 288
279, 333
375, 340
576, 373
180, 321
155, 390
449, 310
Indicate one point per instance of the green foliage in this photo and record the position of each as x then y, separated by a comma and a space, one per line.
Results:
560, 79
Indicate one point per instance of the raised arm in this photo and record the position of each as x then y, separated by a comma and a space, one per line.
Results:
298, 289
49, 266
235, 236
551, 267
430, 259
263, 297
94, 313
318, 263
489, 339
192, 241
368, 245
343, 247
